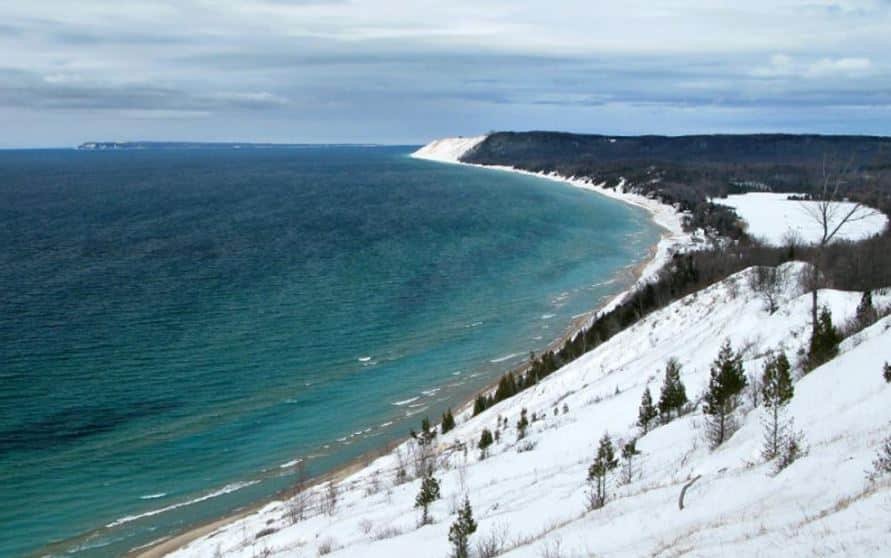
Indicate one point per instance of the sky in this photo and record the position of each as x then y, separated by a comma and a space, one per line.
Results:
387, 71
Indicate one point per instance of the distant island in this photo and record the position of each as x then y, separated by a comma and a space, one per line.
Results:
144, 145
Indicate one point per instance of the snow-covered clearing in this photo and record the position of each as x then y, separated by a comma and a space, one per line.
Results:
532, 492
775, 219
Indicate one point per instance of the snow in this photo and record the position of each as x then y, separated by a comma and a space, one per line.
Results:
533, 491
775, 219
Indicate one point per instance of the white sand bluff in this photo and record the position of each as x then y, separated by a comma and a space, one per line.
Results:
447, 150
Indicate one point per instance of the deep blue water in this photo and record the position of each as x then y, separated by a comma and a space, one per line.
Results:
177, 324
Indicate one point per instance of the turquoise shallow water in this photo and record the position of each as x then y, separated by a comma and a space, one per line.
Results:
177, 325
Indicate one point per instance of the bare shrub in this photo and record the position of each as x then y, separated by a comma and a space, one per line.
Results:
296, 506
327, 546
365, 526
329, 501
525, 445
882, 464
768, 282
494, 542
401, 467
374, 485
552, 549
421, 457
384, 533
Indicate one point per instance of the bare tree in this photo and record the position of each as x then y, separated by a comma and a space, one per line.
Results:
832, 212
768, 282
329, 503
297, 506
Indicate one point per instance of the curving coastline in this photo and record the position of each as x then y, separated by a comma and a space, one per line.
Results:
449, 150
674, 238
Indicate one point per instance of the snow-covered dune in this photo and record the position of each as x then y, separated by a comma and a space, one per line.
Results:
447, 150
530, 494
775, 219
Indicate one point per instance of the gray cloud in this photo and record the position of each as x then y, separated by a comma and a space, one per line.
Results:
407, 71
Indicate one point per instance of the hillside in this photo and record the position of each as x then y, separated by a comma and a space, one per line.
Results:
786, 149
688, 170
530, 494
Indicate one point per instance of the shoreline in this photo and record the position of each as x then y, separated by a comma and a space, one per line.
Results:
673, 238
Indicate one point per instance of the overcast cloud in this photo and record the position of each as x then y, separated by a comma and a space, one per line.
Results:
404, 72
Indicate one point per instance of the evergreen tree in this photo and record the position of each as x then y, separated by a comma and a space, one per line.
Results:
507, 387
448, 421
597, 473
727, 380
522, 424
776, 391
485, 442
479, 405
866, 312
824, 340
647, 412
428, 494
629, 451
674, 395
887, 372
460, 531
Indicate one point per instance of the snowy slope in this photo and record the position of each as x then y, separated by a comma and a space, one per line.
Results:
821, 505
447, 150
773, 218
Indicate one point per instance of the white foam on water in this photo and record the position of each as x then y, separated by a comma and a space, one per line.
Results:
225, 490
153, 496
504, 358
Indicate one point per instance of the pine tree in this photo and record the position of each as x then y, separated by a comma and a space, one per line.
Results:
428, 494
647, 412
522, 424
597, 473
824, 340
674, 395
629, 451
448, 421
727, 380
776, 391
460, 531
479, 405
507, 387
485, 442
866, 312
886, 373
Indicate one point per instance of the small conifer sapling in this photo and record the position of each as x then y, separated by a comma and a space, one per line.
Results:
460, 531
646, 412
428, 494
